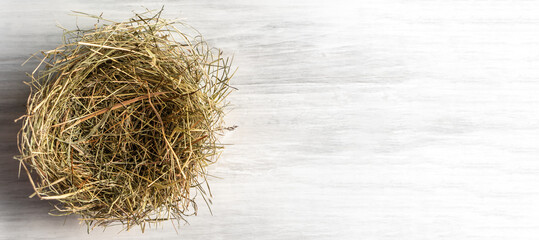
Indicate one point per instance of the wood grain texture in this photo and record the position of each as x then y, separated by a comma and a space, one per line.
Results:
357, 119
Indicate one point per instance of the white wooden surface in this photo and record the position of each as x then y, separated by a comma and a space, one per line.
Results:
378, 119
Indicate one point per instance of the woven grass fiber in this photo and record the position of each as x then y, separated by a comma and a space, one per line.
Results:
123, 120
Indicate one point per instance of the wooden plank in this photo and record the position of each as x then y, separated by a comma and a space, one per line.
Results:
357, 119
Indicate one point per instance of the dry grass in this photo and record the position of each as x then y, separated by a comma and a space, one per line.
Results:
122, 122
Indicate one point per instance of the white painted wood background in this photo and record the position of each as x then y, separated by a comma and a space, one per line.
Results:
380, 119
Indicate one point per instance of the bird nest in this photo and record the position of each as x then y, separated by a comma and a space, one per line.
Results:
122, 121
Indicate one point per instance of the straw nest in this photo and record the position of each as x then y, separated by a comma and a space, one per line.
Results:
122, 122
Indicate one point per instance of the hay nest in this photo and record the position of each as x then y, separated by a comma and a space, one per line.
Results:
122, 122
